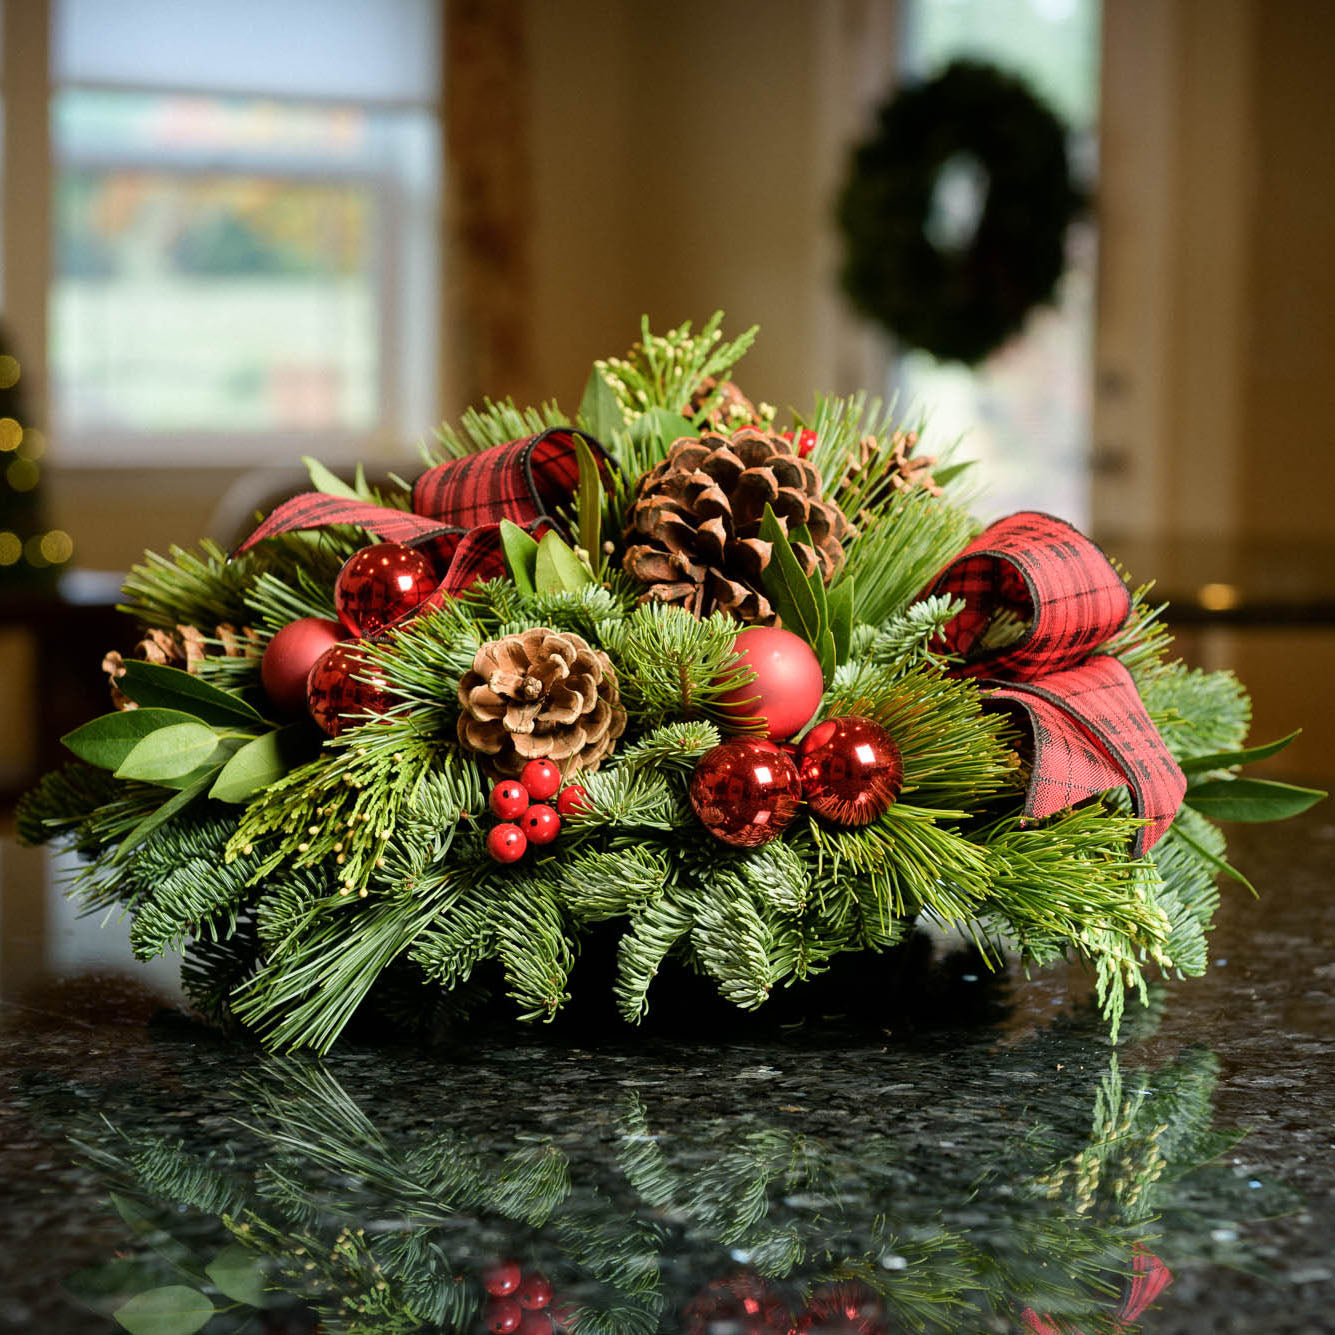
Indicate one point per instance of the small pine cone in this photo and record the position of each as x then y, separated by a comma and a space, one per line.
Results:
900, 471
694, 526
541, 694
731, 410
180, 648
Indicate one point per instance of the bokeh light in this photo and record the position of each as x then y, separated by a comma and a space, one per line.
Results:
9, 371
11, 434
11, 548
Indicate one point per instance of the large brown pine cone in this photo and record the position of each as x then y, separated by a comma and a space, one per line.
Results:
541, 694
180, 648
694, 526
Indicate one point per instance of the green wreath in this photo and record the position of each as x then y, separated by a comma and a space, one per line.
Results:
958, 291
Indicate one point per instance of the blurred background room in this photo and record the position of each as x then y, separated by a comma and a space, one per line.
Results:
237, 233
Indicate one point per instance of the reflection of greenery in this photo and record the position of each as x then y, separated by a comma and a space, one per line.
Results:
384, 1232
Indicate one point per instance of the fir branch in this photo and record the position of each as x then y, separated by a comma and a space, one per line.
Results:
673, 746
672, 665
1197, 712
533, 946
598, 884
62, 801
654, 932
211, 970
627, 798
730, 938
531, 1183
906, 640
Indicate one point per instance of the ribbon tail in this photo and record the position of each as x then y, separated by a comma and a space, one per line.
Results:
1092, 733
315, 509
478, 555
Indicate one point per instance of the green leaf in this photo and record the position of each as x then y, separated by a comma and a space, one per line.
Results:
521, 555
261, 762
590, 497
169, 752
1225, 759
786, 585
839, 602
1250, 799
558, 569
221, 754
152, 685
173, 1310
950, 472
239, 1274
1218, 863
107, 740
599, 412
825, 655
177, 802
323, 480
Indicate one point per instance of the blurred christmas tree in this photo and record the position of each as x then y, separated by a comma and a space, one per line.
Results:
30, 554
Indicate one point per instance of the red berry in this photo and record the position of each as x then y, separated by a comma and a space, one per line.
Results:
541, 778
535, 1323
540, 824
503, 1316
502, 1279
535, 1291
573, 798
506, 843
509, 799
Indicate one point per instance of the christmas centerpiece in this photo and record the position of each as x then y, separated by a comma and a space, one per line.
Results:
745, 699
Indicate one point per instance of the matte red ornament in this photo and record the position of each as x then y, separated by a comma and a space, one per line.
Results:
379, 585
573, 798
540, 825
342, 685
507, 842
535, 1292
503, 1316
542, 778
502, 1278
745, 792
788, 682
289, 657
509, 799
851, 770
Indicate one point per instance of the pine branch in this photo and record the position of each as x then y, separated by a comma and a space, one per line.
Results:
493, 424
191, 588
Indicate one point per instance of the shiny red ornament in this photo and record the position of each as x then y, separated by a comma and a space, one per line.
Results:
850, 1308
342, 686
379, 585
535, 1292
851, 770
503, 1316
542, 778
740, 1303
573, 798
540, 824
507, 842
509, 799
745, 792
788, 682
289, 657
502, 1278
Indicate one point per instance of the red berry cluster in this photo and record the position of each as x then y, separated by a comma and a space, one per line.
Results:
516, 1301
525, 815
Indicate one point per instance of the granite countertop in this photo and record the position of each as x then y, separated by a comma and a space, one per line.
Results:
984, 1161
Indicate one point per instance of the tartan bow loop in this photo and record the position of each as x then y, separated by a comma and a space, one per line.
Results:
1090, 727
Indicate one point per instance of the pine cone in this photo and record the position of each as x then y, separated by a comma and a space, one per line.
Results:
693, 536
731, 410
899, 470
180, 648
541, 694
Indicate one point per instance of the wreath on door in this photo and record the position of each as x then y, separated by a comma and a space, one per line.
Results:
955, 214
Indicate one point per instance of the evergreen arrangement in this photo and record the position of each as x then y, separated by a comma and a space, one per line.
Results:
587, 644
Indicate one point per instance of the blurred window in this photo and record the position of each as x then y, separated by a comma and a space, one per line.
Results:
246, 222
1024, 413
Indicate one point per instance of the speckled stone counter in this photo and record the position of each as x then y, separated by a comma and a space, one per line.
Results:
987, 1162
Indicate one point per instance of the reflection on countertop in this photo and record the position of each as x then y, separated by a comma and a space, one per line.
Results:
1006, 1172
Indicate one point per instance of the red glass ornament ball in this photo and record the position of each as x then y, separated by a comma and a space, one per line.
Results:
289, 657
745, 792
379, 585
540, 824
573, 798
788, 683
850, 1308
535, 1292
502, 1279
542, 778
342, 685
509, 799
851, 770
507, 842
503, 1316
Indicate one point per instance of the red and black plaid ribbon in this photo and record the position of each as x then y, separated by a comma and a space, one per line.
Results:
1091, 731
458, 505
